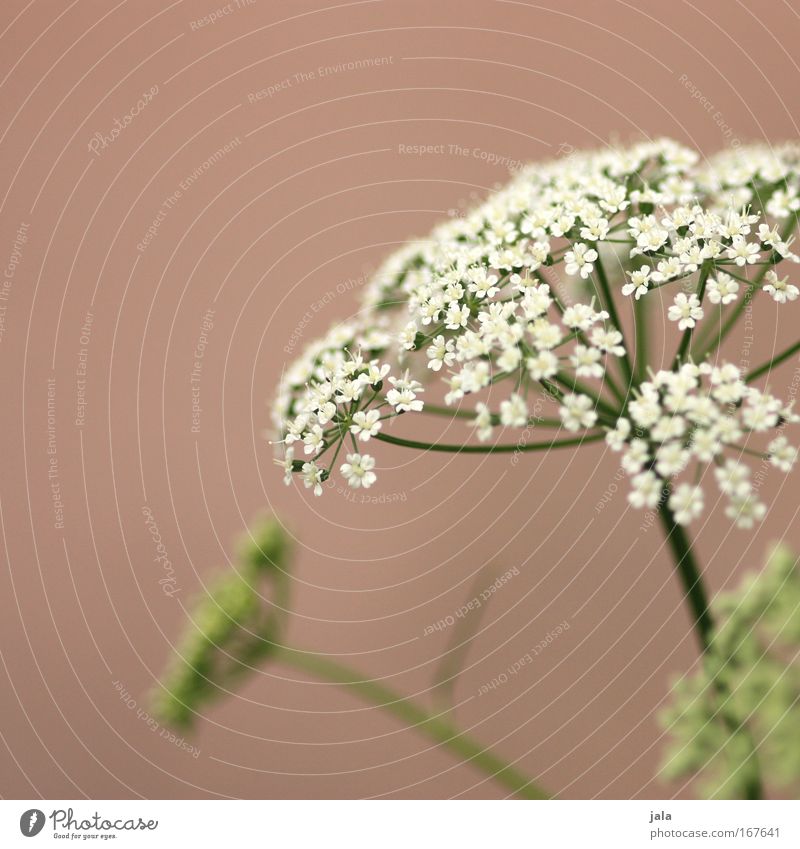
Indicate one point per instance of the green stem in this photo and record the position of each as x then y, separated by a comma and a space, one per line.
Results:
611, 306
775, 361
438, 729
689, 573
680, 354
470, 414
575, 385
640, 308
489, 449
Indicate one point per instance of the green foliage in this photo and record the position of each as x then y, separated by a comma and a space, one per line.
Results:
238, 622
743, 705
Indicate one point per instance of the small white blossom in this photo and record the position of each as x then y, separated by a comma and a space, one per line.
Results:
634, 459
542, 365
778, 289
743, 252
579, 260
577, 411
482, 422
457, 316
733, 478
485, 277
482, 284
615, 438
646, 491
404, 395
746, 510
287, 464
441, 353
686, 502
312, 477
639, 282
782, 455
357, 471
671, 459
686, 310
587, 361
514, 412
723, 289
313, 440
608, 341
366, 424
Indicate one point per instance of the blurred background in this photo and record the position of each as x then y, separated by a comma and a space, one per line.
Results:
192, 192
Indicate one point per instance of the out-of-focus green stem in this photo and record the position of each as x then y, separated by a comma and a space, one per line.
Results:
434, 726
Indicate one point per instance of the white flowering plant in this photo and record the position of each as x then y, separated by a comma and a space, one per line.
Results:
546, 297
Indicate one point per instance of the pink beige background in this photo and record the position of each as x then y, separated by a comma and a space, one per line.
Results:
312, 191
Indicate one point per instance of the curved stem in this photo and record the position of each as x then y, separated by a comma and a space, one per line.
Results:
438, 410
438, 729
488, 449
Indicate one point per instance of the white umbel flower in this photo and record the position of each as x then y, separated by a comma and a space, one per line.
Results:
481, 301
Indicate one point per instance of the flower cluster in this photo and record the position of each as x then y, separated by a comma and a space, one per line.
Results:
516, 293
681, 422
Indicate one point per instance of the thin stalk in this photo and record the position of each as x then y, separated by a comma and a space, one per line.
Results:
611, 306
680, 354
775, 361
437, 410
488, 449
438, 729
640, 312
